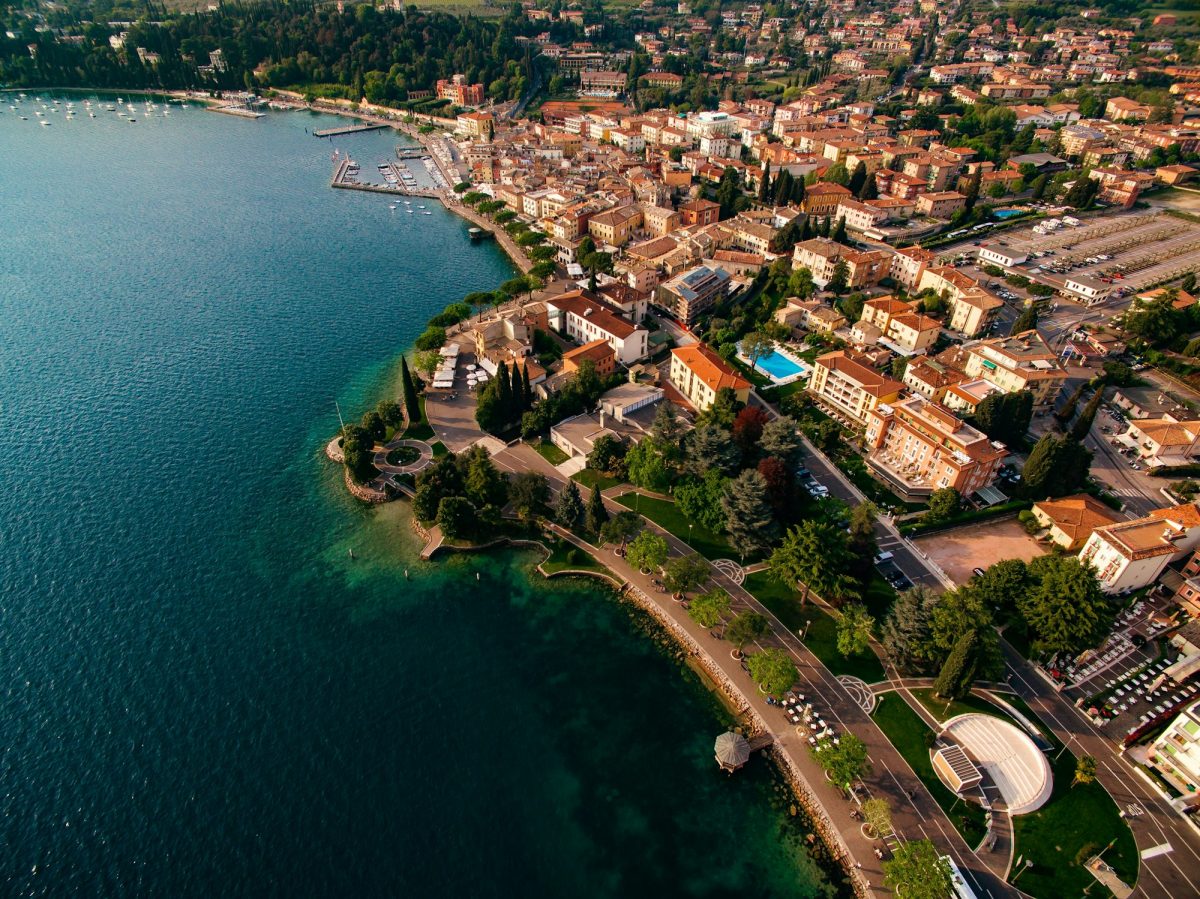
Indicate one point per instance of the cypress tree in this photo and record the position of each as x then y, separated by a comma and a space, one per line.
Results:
797, 197
526, 390
597, 515
1083, 424
958, 671
783, 188
839, 232
504, 400
806, 232
411, 404
1067, 412
870, 190
858, 178
764, 184
518, 395
1039, 466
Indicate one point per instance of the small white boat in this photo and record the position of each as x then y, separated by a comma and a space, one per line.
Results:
24, 118
44, 122
426, 213
91, 115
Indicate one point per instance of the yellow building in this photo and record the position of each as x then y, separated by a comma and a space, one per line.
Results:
698, 373
850, 388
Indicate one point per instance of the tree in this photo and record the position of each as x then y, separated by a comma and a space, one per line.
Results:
411, 403
699, 499
815, 555
773, 670
646, 466
854, 630
747, 429
622, 527
427, 361
840, 277
607, 453
944, 504
684, 574
597, 514
877, 816
917, 870
973, 189
374, 426
1083, 424
1001, 585
844, 762
906, 631
748, 517
666, 428
1026, 321
745, 627
568, 510
485, 485
839, 231
711, 447
755, 345
1085, 770
764, 184
858, 178
1066, 611
781, 438
1005, 416
528, 492
958, 671
647, 551
779, 480
709, 609
1055, 467
456, 516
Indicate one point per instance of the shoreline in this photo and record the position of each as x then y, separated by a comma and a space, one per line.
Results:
835, 853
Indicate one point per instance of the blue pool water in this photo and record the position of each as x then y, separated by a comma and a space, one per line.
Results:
779, 367
1007, 213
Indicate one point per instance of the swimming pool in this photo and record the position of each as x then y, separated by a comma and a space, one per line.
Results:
780, 366
1008, 213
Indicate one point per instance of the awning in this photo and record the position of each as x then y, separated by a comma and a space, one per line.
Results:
990, 495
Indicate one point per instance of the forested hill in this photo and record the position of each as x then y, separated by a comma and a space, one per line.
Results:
363, 51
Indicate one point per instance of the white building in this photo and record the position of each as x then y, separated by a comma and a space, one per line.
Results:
1176, 756
583, 317
1001, 256
1129, 555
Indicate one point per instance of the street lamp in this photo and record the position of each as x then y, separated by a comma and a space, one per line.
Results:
1070, 740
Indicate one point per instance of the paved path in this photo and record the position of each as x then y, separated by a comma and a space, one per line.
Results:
916, 814
424, 457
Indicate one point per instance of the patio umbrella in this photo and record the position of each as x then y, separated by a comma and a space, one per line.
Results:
731, 751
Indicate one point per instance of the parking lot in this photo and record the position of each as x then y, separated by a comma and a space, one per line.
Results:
1130, 251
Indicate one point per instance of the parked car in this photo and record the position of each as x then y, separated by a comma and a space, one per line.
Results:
884, 557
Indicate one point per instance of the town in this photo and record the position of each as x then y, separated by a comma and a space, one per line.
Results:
860, 344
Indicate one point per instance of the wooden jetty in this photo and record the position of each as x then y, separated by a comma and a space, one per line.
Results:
348, 129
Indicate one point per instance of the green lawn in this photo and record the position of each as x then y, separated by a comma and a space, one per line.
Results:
589, 477
909, 734
420, 430
564, 556
821, 637
664, 513
878, 599
439, 449
1062, 830
943, 711
403, 455
550, 452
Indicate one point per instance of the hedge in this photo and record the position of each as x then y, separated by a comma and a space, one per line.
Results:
970, 517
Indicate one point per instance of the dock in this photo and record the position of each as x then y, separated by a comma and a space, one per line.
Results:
348, 129
240, 111
411, 152
343, 178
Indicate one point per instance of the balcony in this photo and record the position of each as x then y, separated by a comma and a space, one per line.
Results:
906, 477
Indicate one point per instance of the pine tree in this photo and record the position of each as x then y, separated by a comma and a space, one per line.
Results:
504, 400
857, 178
518, 395
568, 511
839, 233
783, 188
748, 516
958, 672
906, 631
797, 192
411, 405
870, 190
1083, 424
764, 184
597, 515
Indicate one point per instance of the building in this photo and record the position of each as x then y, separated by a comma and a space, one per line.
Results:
849, 388
1000, 255
622, 403
459, 92
689, 295
598, 352
475, 124
576, 436
1164, 441
585, 318
940, 205
698, 373
972, 311
821, 256
1129, 555
901, 327
615, 226
822, 199
920, 446
1020, 363
594, 83
699, 212
1072, 519
1176, 756
1091, 290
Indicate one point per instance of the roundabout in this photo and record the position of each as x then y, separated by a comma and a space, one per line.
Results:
403, 456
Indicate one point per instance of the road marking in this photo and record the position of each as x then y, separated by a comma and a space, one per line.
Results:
1154, 851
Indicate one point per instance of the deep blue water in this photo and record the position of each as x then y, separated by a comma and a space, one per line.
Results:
200, 692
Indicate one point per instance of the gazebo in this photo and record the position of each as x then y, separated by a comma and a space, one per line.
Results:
731, 750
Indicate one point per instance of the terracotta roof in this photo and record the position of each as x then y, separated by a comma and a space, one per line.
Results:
1168, 431
1077, 516
709, 367
867, 379
594, 310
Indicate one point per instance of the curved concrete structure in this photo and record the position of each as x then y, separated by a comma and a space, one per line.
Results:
1011, 759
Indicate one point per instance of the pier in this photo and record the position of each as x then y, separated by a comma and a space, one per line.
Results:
240, 111
343, 178
348, 129
411, 152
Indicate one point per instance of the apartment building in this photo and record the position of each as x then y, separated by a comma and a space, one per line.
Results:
849, 388
584, 317
698, 373
699, 212
615, 226
820, 255
823, 199
921, 446
1020, 363
1176, 756
1164, 441
690, 294
1129, 555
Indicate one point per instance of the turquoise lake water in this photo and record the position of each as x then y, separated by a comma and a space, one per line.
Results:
201, 694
